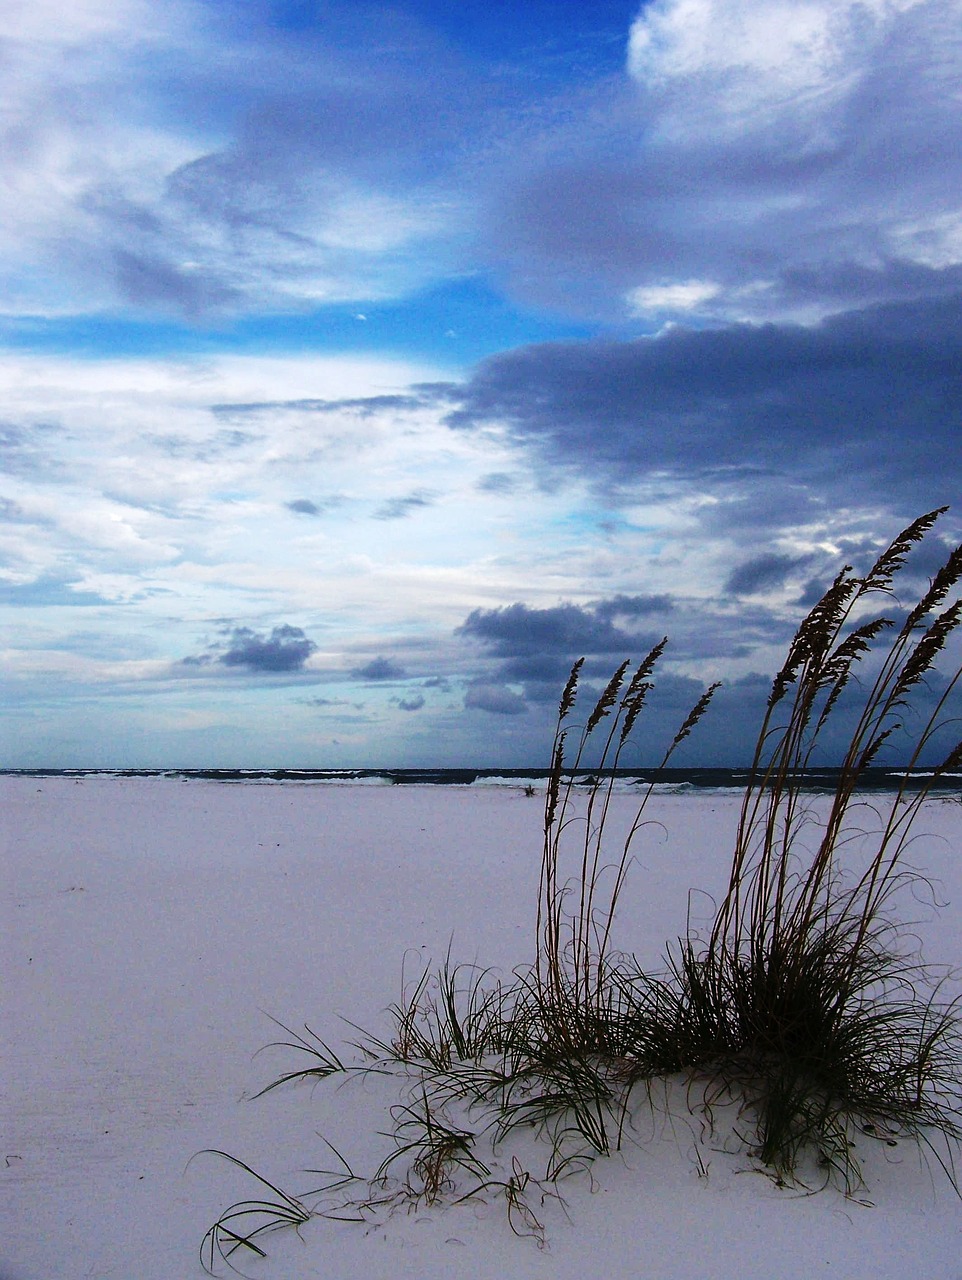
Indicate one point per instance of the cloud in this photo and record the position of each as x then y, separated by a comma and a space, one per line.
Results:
257, 169
685, 295
621, 606
286, 649
11, 512
860, 408
709, 637
497, 482
729, 194
762, 61
738, 166
517, 629
496, 699
414, 703
364, 406
743, 170
763, 573
307, 507
27, 450
401, 508
380, 669
535, 647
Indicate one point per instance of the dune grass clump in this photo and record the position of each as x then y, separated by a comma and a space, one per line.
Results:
803, 1001
802, 1006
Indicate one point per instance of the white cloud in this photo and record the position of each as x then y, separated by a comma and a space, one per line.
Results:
163, 157
52, 25
682, 295
22, 664
125, 464
166, 521
934, 240
743, 63
173, 483
804, 156
159, 156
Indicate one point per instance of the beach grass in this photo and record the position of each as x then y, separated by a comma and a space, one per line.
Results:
803, 1009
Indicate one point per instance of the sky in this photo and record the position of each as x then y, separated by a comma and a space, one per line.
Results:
363, 365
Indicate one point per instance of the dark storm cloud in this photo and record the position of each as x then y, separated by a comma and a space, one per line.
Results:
285, 649
760, 498
705, 631
590, 231
812, 592
865, 406
537, 669
535, 648
380, 669
923, 562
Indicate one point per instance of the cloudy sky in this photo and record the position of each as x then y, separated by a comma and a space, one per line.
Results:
363, 364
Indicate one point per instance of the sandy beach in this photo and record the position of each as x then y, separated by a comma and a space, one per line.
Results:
151, 928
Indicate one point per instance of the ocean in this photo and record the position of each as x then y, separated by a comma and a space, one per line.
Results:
879, 780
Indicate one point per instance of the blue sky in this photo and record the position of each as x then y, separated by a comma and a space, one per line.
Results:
365, 364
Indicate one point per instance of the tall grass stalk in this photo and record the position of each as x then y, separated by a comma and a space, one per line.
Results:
572, 949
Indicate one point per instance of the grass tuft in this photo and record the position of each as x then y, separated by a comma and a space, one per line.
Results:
802, 1006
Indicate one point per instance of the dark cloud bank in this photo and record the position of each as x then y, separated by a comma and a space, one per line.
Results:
532, 650
864, 408
528, 653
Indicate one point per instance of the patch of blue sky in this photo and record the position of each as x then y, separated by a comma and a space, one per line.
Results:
453, 324
588, 520
49, 593
535, 33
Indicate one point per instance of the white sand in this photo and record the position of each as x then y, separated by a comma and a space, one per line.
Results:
149, 925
